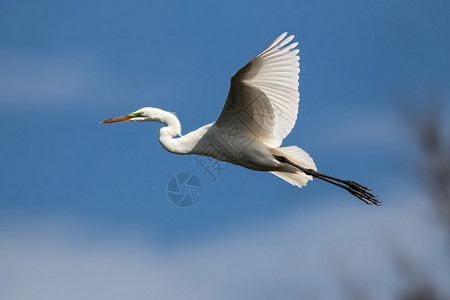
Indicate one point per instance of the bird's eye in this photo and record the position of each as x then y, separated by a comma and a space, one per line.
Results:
141, 113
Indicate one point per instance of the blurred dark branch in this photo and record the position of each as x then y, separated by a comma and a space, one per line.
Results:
427, 124
416, 284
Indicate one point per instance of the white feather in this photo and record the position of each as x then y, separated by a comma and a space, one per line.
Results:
273, 72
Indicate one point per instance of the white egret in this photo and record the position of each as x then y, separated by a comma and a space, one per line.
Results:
260, 111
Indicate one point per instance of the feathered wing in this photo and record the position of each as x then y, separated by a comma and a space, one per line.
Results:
264, 94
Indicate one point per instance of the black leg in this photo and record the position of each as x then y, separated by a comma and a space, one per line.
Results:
354, 188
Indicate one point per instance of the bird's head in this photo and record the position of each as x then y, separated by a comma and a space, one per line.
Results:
151, 114
141, 115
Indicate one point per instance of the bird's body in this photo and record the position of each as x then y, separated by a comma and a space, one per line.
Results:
260, 111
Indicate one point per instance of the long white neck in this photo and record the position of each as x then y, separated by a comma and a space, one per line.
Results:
167, 134
181, 145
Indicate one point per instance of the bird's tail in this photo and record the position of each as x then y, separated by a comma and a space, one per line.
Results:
299, 157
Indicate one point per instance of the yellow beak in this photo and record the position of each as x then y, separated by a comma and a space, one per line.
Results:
125, 118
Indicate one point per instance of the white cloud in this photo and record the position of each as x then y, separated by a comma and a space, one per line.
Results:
368, 129
302, 256
38, 79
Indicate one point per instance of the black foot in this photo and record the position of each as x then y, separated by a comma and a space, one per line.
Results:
362, 193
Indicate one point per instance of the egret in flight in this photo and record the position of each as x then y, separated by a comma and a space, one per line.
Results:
259, 112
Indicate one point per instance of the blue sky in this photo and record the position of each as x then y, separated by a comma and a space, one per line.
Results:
65, 66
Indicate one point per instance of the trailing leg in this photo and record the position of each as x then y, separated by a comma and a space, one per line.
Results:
354, 188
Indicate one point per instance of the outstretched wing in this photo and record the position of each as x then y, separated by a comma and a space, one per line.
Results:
263, 95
